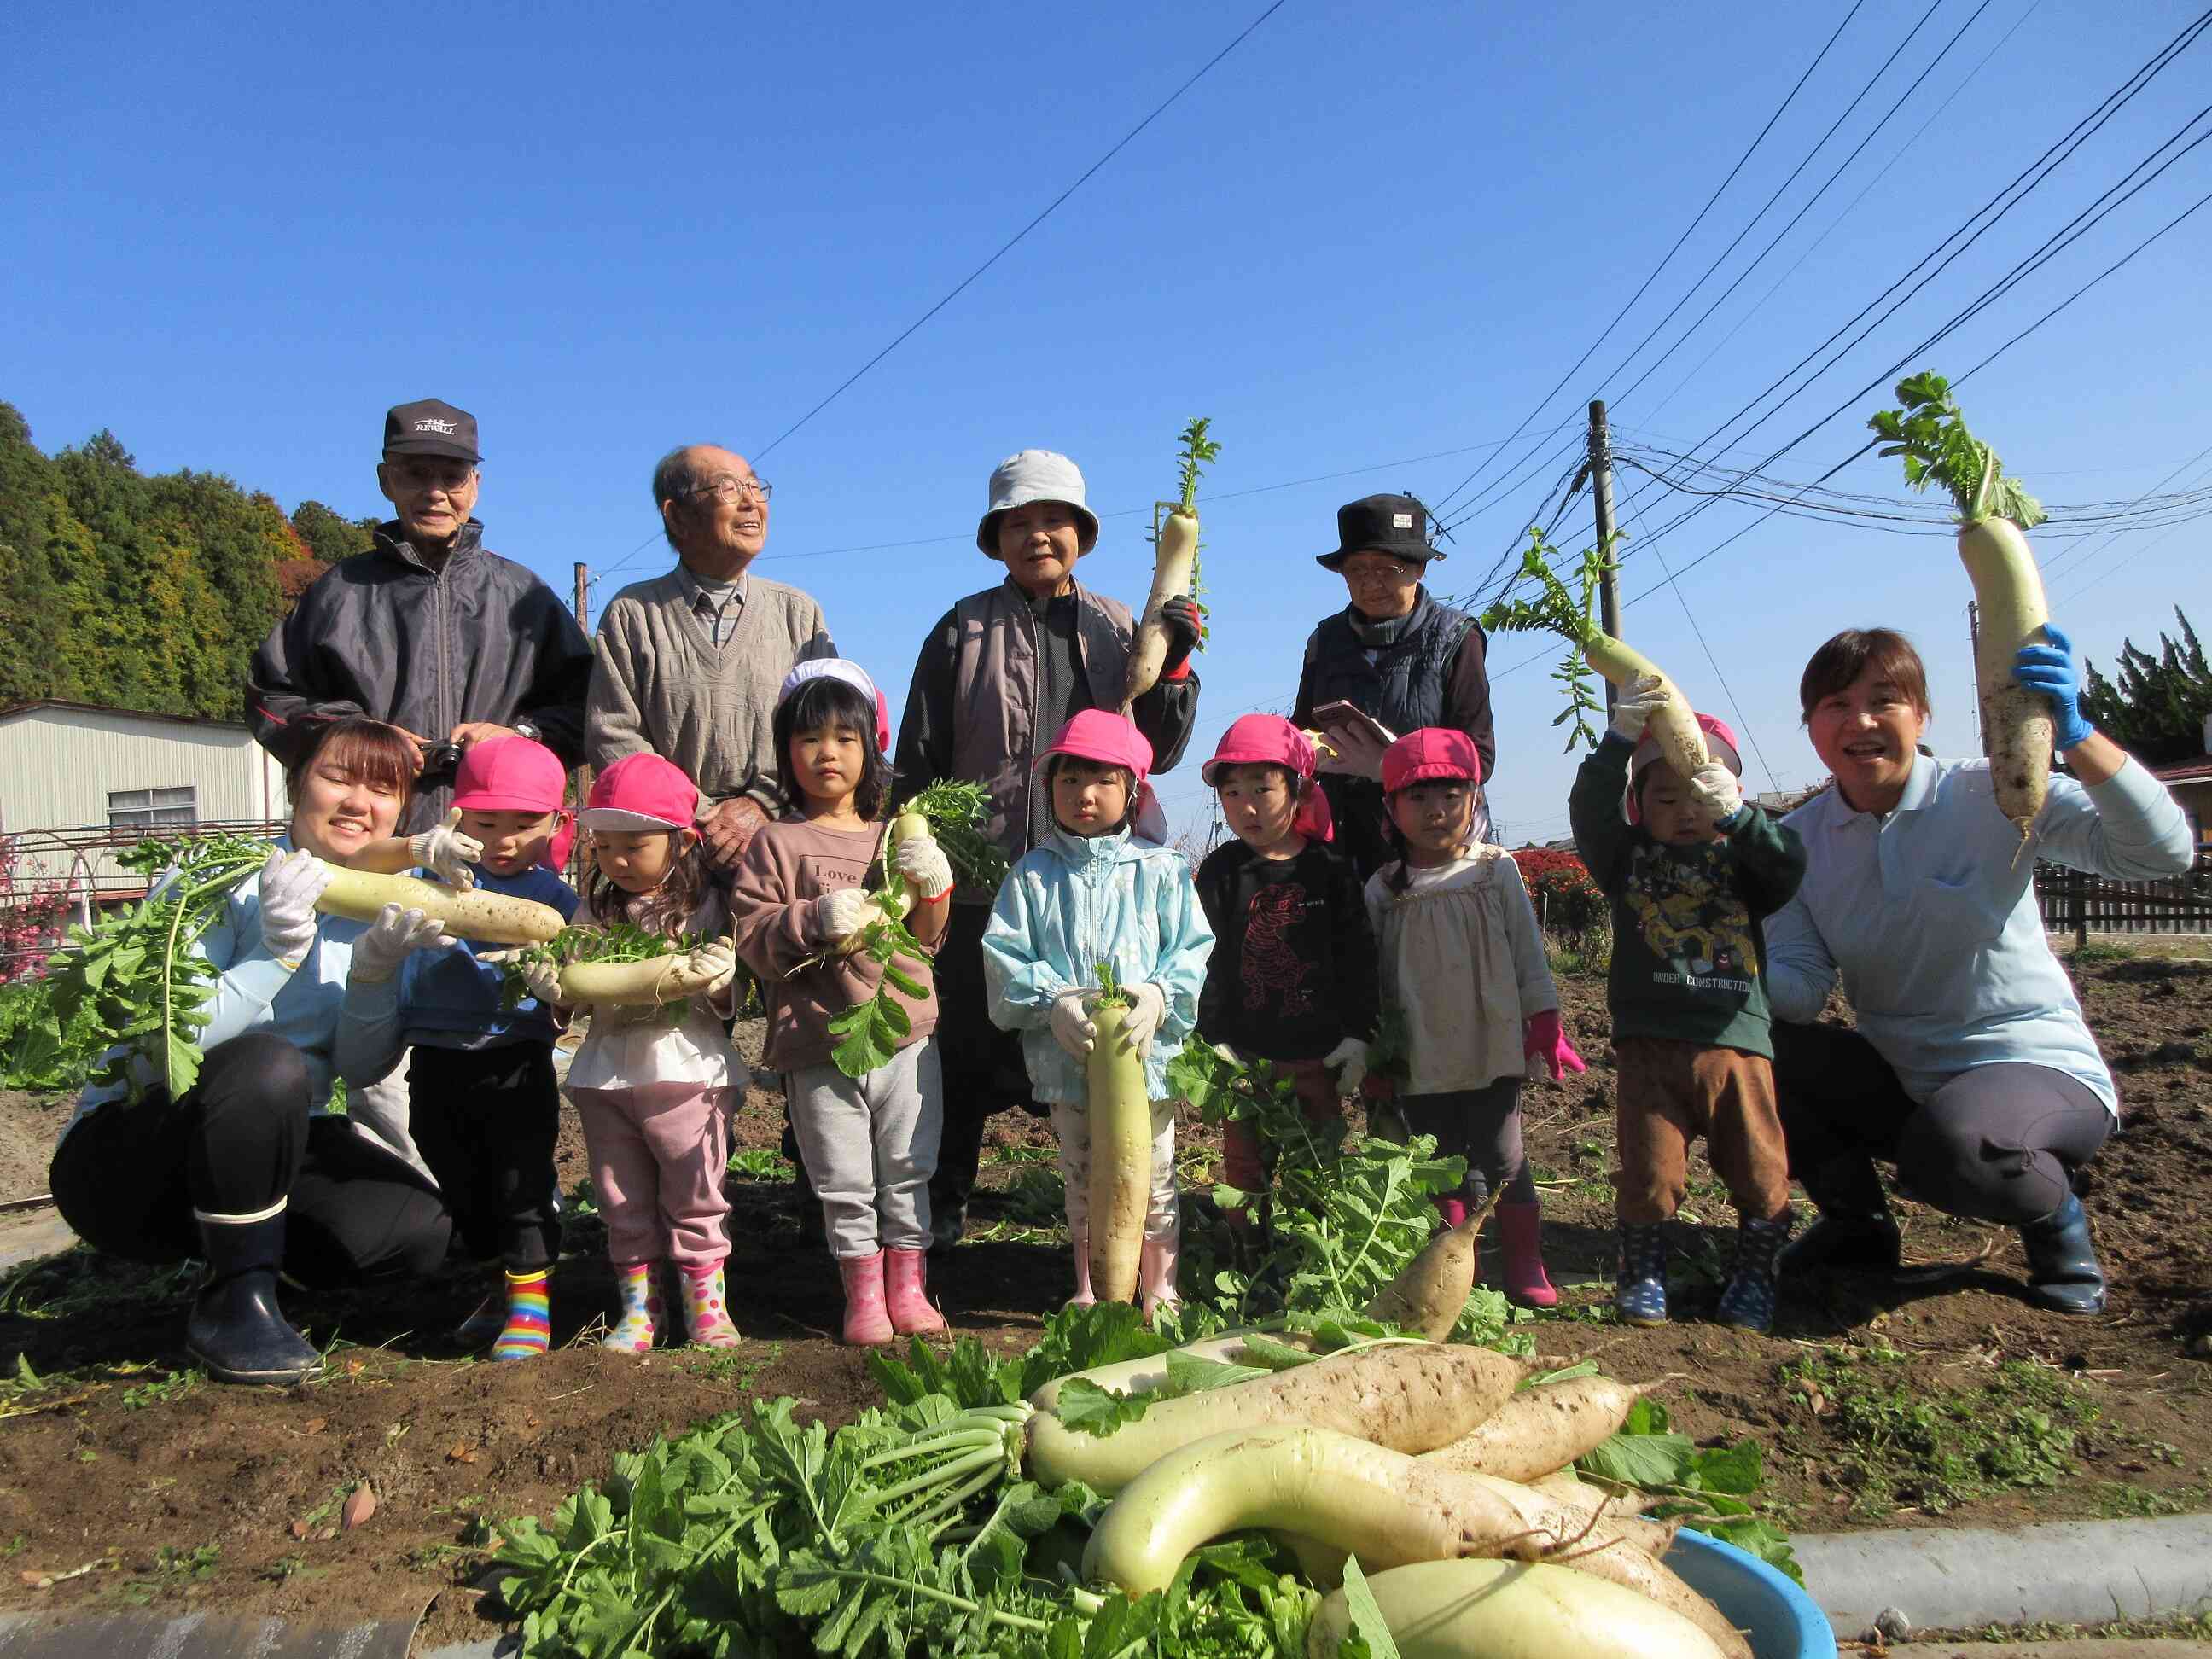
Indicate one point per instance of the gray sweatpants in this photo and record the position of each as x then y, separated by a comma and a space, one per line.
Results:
1072, 1123
869, 1146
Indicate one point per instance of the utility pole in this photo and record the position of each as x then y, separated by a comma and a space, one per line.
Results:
1974, 656
583, 600
1600, 469
580, 780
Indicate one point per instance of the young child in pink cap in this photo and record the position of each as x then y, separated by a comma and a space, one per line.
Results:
655, 1086
484, 1104
1293, 978
1692, 873
1463, 961
1101, 888
869, 1142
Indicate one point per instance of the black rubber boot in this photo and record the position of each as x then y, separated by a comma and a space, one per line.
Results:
1853, 1230
235, 1328
948, 1219
2063, 1274
1748, 1301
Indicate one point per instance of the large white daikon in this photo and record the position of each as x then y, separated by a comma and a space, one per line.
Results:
1121, 1145
1994, 513
1559, 609
1175, 569
1510, 1610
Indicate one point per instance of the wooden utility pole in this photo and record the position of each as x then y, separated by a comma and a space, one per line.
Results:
1600, 469
1974, 655
580, 780
583, 600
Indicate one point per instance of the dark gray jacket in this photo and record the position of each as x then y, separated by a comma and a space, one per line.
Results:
384, 634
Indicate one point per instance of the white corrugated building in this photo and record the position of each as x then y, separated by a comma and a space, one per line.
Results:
88, 775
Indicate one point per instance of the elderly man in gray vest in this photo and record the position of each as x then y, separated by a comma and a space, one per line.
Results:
997, 676
687, 665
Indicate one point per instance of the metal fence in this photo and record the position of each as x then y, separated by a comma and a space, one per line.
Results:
2081, 904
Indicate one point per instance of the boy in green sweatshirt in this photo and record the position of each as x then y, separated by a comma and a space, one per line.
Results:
1691, 872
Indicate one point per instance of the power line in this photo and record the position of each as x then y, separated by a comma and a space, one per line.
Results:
2077, 554
1008, 245
1664, 259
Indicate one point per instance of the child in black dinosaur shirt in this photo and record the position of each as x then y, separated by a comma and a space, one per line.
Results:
1292, 978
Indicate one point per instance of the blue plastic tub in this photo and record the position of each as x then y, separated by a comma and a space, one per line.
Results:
1784, 1622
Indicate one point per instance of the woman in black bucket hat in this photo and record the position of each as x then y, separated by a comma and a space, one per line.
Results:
1395, 655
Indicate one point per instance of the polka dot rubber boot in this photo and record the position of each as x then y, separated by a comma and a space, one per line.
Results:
529, 1323
1639, 1295
639, 1284
1747, 1302
706, 1311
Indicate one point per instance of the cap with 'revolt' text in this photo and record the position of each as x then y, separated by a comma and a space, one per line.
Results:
431, 427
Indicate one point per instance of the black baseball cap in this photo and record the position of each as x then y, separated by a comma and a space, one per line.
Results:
1396, 524
431, 427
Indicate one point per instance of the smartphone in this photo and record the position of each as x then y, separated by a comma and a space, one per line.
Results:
1347, 717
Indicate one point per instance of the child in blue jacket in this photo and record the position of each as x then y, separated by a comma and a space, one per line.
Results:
1101, 889
485, 1104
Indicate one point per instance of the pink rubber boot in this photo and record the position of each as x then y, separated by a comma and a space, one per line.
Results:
1156, 1273
868, 1325
1520, 1239
1453, 1210
906, 1296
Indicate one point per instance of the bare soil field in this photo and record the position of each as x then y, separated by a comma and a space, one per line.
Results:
126, 1478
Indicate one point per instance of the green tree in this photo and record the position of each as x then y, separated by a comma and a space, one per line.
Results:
2154, 707
329, 534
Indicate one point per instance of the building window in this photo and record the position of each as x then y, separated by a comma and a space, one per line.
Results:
152, 809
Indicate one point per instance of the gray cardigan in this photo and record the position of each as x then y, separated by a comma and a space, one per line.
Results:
659, 684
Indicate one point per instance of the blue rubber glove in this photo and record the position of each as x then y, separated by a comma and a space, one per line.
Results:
2053, 670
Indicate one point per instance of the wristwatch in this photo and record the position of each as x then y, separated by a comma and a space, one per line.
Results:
525, 729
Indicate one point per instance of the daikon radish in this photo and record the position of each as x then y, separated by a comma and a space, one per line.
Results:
1175, 568
479, 914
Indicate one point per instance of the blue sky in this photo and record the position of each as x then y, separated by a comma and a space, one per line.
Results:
1372, 234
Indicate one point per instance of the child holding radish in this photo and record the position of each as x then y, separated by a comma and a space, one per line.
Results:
1292, 980
1463, 961
484, 1102
803, 911
1692, 873
1101, 911
653, 1085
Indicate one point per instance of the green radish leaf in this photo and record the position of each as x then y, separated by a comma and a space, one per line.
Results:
1276, 1356
1734, 1469
1366, 1617
1082, 1405
1189, 1374
1651, 1462
1564, 1374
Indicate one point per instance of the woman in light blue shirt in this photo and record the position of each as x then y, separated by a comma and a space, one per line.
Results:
1971, 1068
246, 1170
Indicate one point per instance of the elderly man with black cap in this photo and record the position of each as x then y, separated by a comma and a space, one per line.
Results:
428, 630
997, 676
1390, 662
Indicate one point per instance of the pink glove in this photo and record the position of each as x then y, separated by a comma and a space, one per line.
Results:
1543, 1040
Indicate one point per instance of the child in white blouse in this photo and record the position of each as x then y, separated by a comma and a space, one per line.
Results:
1463, 962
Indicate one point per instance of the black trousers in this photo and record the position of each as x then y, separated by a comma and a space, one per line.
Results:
128, 1178
1482, 1126
485, 1120
1996, 1143
982, 1067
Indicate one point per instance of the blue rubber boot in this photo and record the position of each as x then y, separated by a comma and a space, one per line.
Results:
1639, 1295
1747, 1302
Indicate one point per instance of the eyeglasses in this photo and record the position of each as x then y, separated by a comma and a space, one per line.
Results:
1395, 571
431, 475
729, 487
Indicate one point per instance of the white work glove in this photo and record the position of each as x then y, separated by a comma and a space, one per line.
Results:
1717, 791
922, 861
542, 980
721, 957
1148, 1006
290, 883
1351, 1054
377, 953
1070, 1023
841, 915
448, 853
1639, 700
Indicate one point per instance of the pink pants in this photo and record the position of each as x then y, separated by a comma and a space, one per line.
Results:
659, 1153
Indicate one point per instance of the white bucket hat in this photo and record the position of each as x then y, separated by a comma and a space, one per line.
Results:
1037, 475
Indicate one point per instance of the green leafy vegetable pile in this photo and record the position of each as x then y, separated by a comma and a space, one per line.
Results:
134, 975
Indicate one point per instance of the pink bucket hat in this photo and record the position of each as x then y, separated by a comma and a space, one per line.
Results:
1431, 754
1271, 740
1719, 739
842, 668
517, 774
1111, 741
641, 791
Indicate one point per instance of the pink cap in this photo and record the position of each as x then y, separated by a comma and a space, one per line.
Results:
842, 668
641, 791
517, 774
1111, 741
1432, 753
1271, 740
1719, 738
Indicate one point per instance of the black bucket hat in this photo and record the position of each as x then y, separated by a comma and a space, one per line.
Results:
1396, 524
